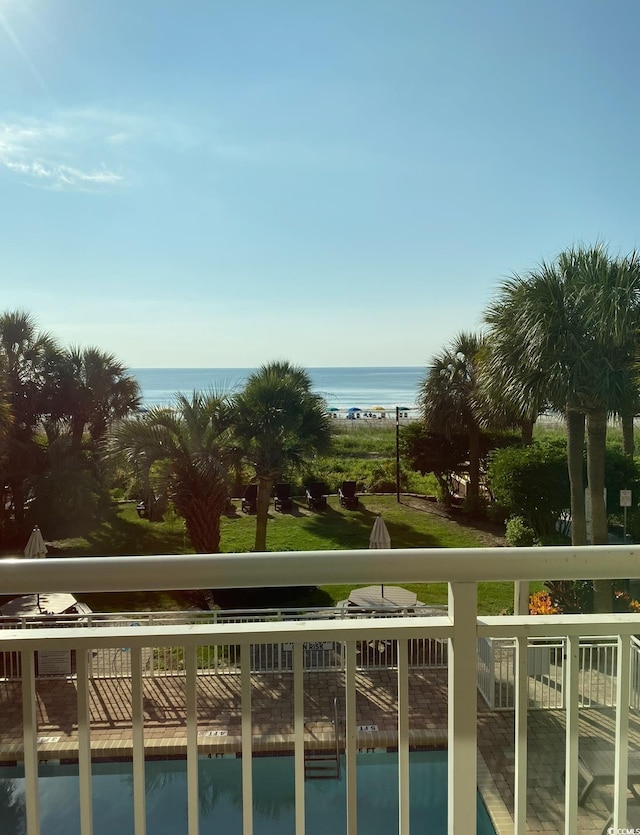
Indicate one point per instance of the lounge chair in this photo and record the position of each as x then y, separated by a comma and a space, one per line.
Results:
347, 495
316, 495
250, 499
633, 819
597, 768
283, 500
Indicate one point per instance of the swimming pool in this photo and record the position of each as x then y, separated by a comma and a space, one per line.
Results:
220, 788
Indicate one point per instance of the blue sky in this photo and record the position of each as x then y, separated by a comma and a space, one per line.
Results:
339, 183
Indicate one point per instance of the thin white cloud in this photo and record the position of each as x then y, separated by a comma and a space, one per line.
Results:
66, 152
62, 174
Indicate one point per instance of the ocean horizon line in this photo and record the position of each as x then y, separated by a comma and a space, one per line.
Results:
251, 367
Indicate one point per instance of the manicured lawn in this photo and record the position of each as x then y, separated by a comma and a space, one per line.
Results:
334, 529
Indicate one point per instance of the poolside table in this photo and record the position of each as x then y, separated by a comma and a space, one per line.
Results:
381, 597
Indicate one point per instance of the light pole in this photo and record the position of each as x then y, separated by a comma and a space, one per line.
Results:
398, 454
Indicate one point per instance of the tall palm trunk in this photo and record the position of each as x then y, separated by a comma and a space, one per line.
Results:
203, 525
526, 432
628, 446
77, 432
265, 484
575, 450
596, 446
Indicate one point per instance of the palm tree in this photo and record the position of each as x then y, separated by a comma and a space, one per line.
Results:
279, 422
93, 390
567, 331
189, 452
532, 332
27, 356
496, 405
448, 400
67, 494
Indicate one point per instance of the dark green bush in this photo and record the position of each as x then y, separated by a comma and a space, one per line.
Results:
532, 483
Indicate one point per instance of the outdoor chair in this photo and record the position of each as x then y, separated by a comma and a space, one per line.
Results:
633, 819
316, 495
597, 768
347, 495
283, 500
250, 499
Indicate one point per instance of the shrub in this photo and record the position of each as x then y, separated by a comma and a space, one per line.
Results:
571, 597
531, 482
382, 477
621, 473
519, 534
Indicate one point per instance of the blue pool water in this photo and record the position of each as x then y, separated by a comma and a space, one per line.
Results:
221, 798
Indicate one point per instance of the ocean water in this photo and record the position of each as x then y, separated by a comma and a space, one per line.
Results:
342, 388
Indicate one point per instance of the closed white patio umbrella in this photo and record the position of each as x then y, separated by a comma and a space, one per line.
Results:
379, 538
35, 547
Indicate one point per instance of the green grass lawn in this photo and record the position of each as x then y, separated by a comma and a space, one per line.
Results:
123, 533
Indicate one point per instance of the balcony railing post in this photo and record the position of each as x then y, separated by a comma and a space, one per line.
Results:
521, 709
351, 738
403, 738
463, 725
247, 741
84, 742
30, 734
137, 733
571, 678
622, 732
298, 725
191, 672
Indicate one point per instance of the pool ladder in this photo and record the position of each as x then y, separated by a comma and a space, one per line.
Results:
324, 765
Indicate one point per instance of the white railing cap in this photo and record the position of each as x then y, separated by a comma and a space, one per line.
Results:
315, 568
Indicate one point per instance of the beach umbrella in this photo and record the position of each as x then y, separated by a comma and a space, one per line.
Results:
35, 547
333, 409
355, 409
379, 409
379, 538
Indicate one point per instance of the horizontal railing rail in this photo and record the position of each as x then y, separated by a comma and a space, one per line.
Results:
318, 568
222, 659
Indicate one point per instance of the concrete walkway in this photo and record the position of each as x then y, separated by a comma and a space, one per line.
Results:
219, 722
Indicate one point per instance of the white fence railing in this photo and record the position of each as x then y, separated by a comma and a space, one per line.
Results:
218, 659
496, 657
461, 628
546, 673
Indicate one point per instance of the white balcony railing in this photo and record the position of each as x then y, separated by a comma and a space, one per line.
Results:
461, 628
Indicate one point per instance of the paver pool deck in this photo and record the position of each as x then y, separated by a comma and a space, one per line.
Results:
272, 715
